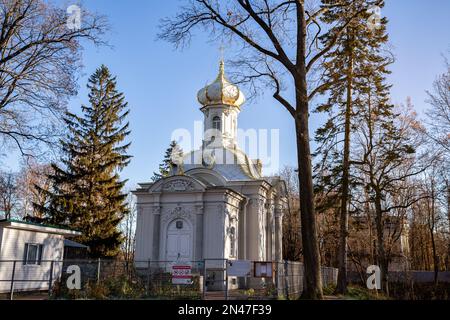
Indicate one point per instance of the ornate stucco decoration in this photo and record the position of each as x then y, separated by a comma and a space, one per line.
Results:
279, 213
177, 213
232, 214
259, 204
178, 185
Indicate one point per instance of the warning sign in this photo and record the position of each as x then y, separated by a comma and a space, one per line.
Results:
263, 269
181, 275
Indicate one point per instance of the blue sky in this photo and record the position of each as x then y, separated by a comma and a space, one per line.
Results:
161, 83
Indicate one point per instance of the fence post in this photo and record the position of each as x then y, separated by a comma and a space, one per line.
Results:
286, 279
50, 280
98, 270
11, 293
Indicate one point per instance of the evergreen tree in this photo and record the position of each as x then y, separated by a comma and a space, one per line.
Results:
173, 154
87, 190
347, 68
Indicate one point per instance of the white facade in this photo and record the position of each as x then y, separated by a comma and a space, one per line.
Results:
216, 205
32, 247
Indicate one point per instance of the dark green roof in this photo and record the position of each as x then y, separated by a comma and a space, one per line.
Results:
39, 224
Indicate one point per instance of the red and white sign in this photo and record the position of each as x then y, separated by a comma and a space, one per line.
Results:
263, 269
181, 275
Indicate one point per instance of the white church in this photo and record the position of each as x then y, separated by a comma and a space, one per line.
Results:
216, 204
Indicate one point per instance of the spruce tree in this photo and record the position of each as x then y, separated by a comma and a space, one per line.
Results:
87, 190
346, 71
173, 153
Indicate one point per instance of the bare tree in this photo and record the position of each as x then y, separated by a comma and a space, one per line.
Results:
39, 60
128, 227
32, 178
8, 194
279, 49
431, 209
439, 113
439, 130
291, 226
387, 146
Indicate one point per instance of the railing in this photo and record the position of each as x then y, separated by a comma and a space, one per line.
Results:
119, 279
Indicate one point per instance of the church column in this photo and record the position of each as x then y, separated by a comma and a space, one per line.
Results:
198, 246
242, 244
139, 235
256, 240
268, 242
252, 234
279, 211
271, 230
156, 223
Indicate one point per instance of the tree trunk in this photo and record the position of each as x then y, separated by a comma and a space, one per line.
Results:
448, 202
433, 241
435, 259
341, 287
312, 275
382, 259
311, 256
447, 184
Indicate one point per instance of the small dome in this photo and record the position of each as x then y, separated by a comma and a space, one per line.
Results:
221, 91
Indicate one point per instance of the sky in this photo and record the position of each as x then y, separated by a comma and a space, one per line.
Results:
160, 83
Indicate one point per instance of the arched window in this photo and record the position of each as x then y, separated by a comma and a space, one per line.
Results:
216, 123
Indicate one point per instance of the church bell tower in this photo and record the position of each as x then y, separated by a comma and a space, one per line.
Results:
221, 103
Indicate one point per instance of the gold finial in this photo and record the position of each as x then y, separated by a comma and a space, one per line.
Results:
222, 64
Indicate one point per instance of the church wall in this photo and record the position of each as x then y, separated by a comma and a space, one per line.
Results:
213, 238
144, 242
220, 215
155, 211
199, 231
211, 214
170, 212
156, 236
256, 244
255, 220
263, 221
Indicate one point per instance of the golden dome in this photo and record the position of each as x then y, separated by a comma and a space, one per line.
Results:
221, 91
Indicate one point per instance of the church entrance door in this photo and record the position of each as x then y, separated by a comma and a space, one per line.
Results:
179, 241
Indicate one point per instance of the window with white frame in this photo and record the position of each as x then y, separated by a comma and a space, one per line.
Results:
216, 123
33, 254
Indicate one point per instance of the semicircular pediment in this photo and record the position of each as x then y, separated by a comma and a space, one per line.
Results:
177, 184
207, 176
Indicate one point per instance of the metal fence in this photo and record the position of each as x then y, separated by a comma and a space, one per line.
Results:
117, 279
